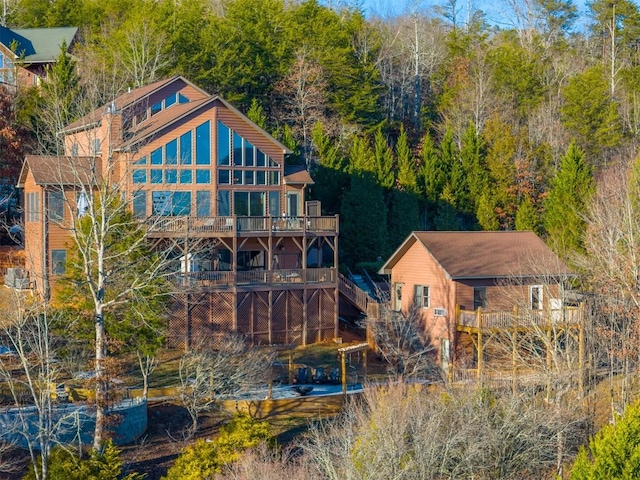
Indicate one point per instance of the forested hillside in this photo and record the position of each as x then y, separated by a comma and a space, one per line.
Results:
420, 121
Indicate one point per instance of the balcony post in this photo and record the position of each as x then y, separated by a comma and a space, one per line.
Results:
581, 349
480, 347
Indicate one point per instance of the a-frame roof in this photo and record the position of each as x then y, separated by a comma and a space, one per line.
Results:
165, 118
476, 255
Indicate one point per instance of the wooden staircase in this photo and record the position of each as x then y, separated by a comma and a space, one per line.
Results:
358, 297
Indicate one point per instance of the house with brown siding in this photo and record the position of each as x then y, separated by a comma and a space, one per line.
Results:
466, 283
26, 53
250, 253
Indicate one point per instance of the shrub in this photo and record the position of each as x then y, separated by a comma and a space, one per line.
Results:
204, 459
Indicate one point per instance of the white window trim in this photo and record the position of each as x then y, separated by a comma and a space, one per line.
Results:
419, 299
540, 296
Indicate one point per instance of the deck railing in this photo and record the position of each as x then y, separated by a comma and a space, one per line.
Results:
257, 277
522, 318
190, 224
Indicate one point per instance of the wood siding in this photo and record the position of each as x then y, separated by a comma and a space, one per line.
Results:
417, 267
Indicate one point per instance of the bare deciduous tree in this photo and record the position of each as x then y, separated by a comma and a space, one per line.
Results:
29, 373
227, 366
404, 433
404, 343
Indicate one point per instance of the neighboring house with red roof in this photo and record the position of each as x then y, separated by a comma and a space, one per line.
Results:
251, 255
466, 282
26, 53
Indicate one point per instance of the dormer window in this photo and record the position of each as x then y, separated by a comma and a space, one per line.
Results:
156, 108
167, 102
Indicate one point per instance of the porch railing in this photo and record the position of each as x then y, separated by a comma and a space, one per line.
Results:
257, 277
519, 318
190, 224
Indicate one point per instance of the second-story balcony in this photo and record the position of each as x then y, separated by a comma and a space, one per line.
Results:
517, 319
228, 279
233, 226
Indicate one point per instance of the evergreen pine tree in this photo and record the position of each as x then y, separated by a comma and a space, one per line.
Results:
486, 213
447, 218
430, 175
527, 216
403, 216
614, 452
363, 220
384, 161
407, 177
566, 203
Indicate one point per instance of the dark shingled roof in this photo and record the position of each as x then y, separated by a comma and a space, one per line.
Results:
498, 254
37, 45
53, 170
297, 174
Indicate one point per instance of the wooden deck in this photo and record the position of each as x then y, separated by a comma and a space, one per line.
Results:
474, 321
276, 278
240, 226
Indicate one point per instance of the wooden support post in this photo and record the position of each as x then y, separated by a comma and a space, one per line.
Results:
581, 350
514, 358
480, 346
548, 386
364, 364
290, 368
343, 364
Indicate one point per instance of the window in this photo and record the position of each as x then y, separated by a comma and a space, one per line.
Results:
156, 108
237, 177
203, 144
156, 176
171, 153
422, 296
139, 176
203, 176
170, 100
479, 297
203, 203
96, 146
237, 150
249, 204
74, 150
140, 204
56, 206
141, 117
182, 98
58, 262
156, 157
33, 207
82, 204
274, 204
171, 176
161, 203
141, 161
185, 149
224, 207
261, 177
185, 177
223, 144
181, 203
262, 162
535, 297
249, 177
249, 160
224, 177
